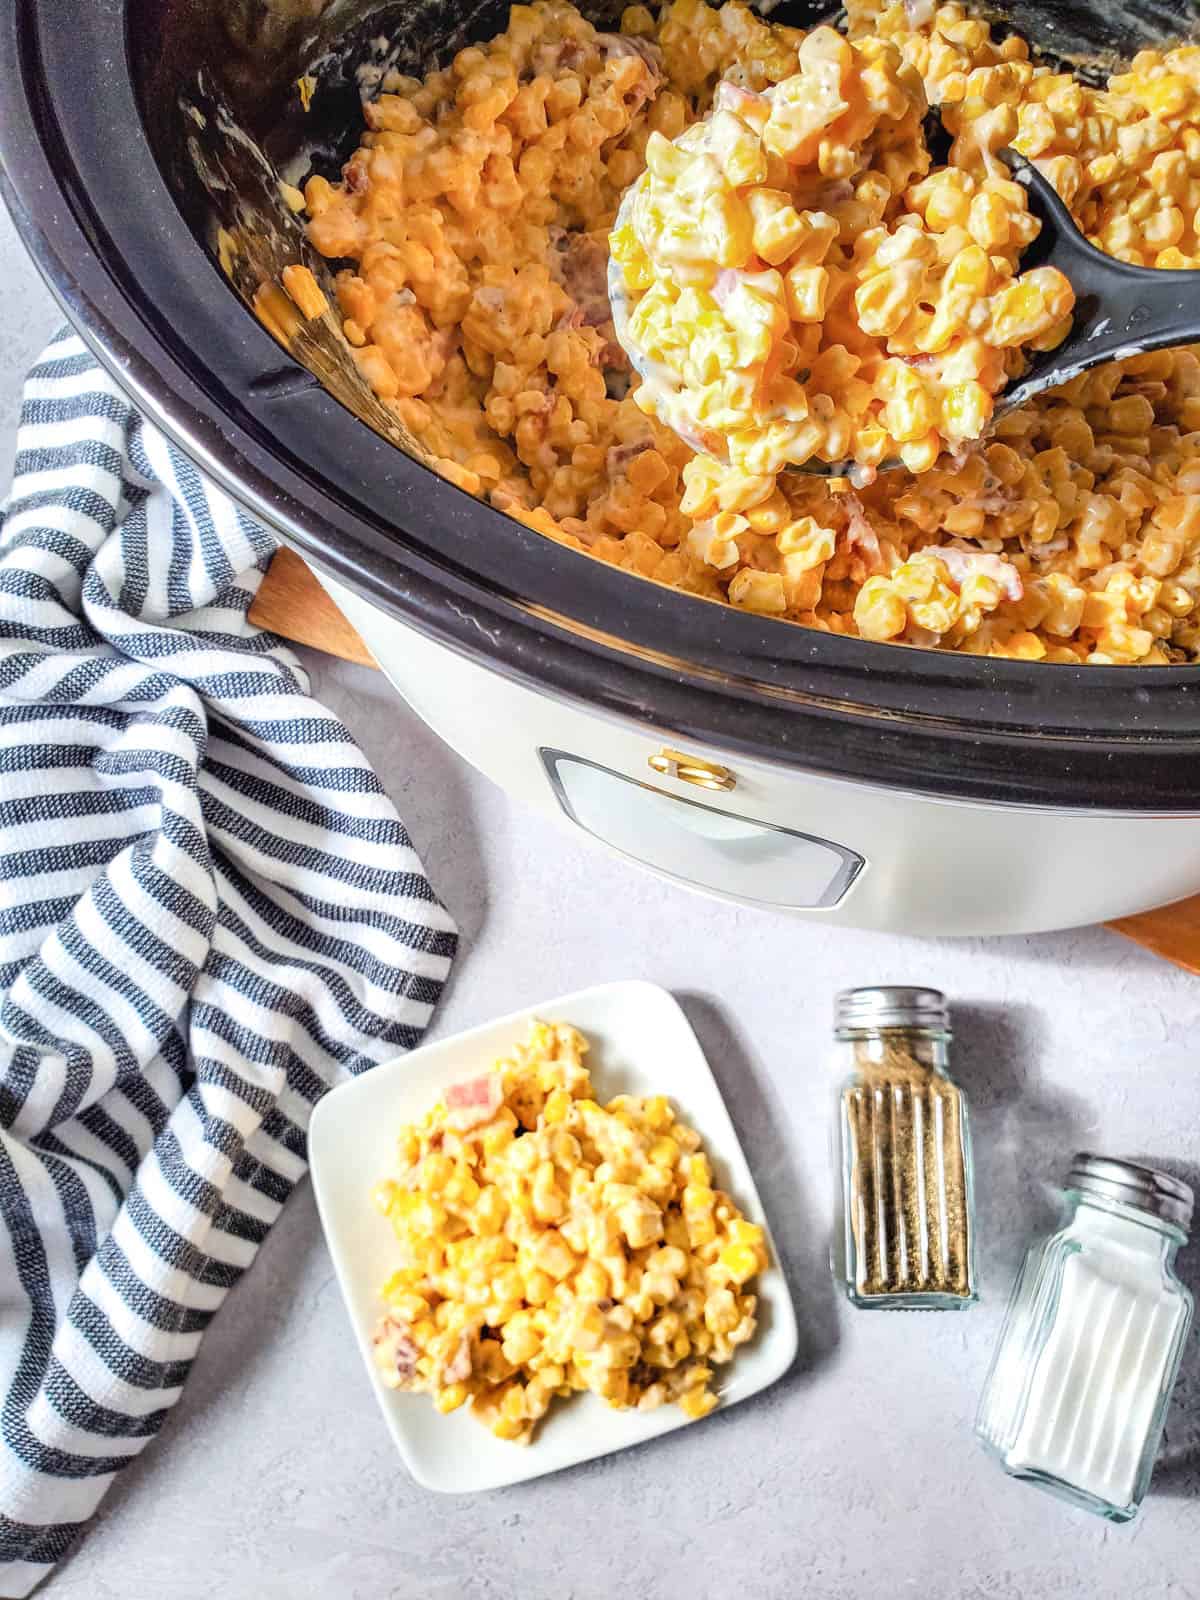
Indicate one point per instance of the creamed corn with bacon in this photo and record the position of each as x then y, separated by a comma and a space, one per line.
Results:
549, 1244
475, 220
768, 334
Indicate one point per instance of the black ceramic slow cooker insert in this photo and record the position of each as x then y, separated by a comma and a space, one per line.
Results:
96, 169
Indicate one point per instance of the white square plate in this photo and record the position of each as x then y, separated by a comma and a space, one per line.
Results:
641, 1044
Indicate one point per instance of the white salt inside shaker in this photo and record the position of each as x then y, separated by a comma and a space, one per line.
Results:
1090, 1349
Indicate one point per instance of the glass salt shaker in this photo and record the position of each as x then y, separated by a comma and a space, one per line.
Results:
906, 1238
1081, 1379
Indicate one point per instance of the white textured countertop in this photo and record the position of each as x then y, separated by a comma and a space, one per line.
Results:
855, 1478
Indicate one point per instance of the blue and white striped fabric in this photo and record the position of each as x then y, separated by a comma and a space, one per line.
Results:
209, 912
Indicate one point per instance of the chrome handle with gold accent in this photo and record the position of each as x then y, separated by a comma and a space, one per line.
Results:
691, 769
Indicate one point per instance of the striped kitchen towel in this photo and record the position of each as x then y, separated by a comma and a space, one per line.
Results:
209, 912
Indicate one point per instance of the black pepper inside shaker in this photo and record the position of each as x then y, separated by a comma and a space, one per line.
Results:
906, 1237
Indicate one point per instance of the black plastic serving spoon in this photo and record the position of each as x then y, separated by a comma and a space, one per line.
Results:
1120, 310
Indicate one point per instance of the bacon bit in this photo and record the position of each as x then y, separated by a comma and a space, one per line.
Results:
729, 277
549, 59
727, 282
584, 276
960, 564
473, 1091
620, 454
732, 97
355, 176
861, 535
396, 1353
580, 263
922, 363
460, 1366
474, 1101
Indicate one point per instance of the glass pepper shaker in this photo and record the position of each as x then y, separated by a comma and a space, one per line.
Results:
906, 1235
1090, 1349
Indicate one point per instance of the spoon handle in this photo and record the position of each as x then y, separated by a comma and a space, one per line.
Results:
1120, 310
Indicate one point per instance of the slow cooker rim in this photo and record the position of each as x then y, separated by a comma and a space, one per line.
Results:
1075, 763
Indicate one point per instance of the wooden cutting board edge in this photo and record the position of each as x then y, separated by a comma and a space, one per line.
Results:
292, 603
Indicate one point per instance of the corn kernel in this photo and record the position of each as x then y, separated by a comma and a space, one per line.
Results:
697, 1403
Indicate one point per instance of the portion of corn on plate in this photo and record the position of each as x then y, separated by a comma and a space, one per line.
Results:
550, 1244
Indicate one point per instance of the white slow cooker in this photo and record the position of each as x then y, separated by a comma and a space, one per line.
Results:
866, 854
744, 757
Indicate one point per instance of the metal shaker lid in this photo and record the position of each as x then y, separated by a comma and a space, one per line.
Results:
1130, 1183
891, 1006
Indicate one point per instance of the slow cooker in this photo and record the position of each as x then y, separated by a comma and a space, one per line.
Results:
753, 759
